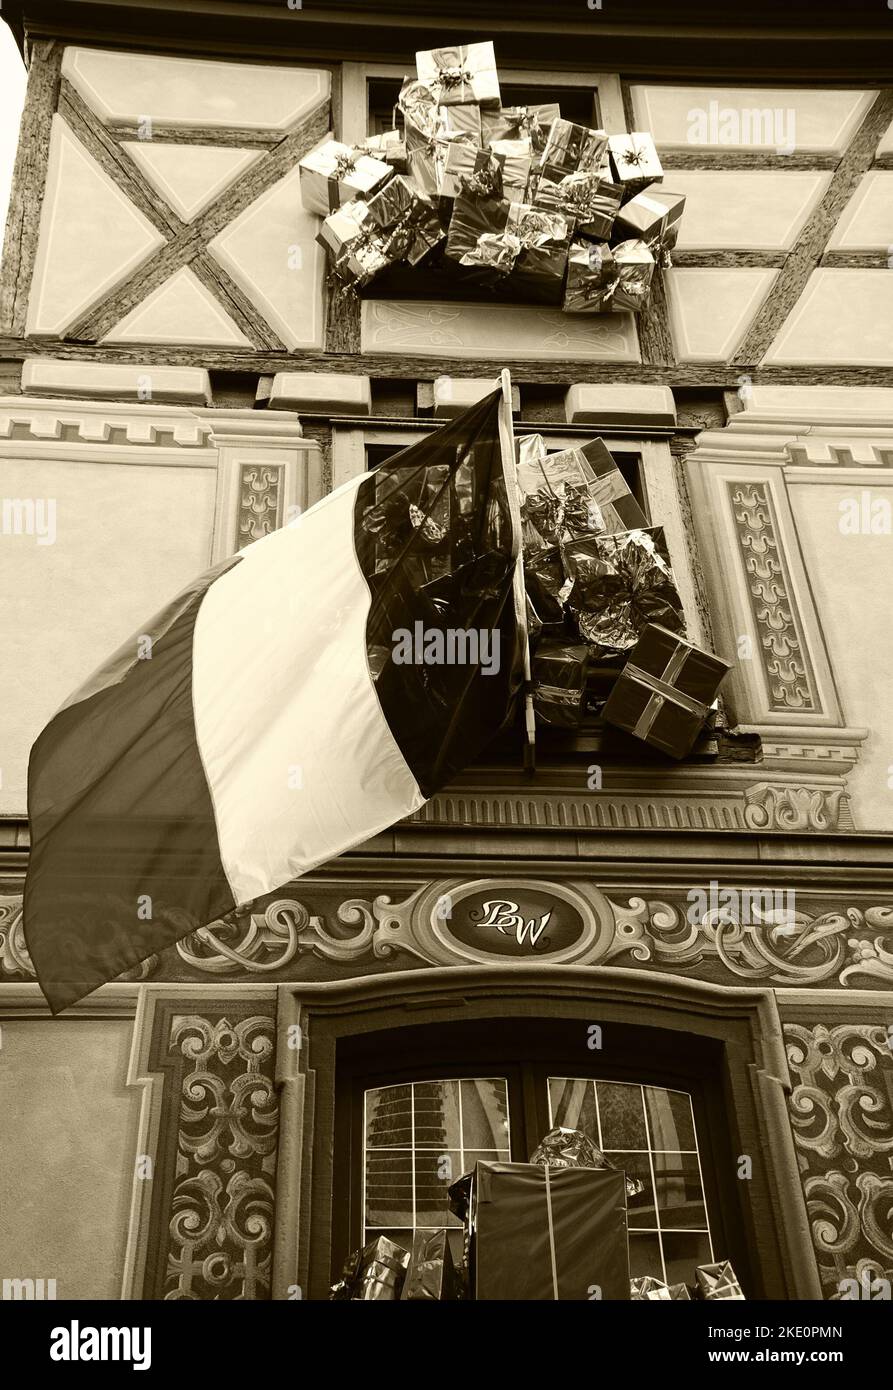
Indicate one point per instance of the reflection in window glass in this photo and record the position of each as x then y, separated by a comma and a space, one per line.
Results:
649, 1132
420, 1137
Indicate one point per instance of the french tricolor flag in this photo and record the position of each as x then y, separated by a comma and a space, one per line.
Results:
294, 701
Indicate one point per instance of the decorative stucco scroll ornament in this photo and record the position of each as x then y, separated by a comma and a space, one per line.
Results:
785, 807
841, 1109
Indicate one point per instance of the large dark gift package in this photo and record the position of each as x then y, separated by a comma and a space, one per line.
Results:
545, 1233
665, 690
373, 1274
431, 1277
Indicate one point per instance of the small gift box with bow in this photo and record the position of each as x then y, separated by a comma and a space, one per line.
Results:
634, 160
662, 696
474, 217
521, 122
571, 149
474, 173
335, 173
342, 228
589, 201
653, 217
591, 278
460, 75
405, 225
718, 1281
621, 582
634, 267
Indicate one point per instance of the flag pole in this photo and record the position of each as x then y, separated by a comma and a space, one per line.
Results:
507, 444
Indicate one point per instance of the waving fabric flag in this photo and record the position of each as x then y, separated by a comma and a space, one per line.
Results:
294, 701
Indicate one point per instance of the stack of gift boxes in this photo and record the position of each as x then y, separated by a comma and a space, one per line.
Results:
606, 622
551, 1229
519, 199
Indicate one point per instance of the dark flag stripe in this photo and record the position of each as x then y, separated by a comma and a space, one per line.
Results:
434, 538
124, 854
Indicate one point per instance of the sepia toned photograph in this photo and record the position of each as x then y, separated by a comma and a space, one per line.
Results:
446, 747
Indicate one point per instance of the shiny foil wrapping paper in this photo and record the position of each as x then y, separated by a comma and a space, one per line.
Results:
620, 583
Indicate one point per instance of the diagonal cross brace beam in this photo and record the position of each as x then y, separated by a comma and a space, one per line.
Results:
191, 241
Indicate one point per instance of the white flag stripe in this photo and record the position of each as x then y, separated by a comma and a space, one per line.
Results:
283, 695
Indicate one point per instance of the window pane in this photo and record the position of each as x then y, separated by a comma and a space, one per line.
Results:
670, 1119
683, 1253
679, 1197
436, 1106
644, 1257
572, 1105
640, 1208
485, 1119
389, 1188
622, 1116
389, 1116
433, 1175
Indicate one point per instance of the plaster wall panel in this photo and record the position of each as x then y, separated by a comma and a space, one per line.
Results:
189, 177
783, 119
711, 309
495, 331
272, 253
132, 86
744, 209
126, 538
91, 236
851, 576
67, 1161
181, 310
843, 317
866, 223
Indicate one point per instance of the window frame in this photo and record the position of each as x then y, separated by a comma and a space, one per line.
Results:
351, 119
660, 480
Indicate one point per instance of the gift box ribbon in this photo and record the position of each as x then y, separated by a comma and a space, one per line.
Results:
552, 1254
662, 689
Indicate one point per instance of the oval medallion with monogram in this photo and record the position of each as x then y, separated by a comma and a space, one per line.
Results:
516, 920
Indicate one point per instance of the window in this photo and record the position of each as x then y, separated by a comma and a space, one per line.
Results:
578, 103
417, 1106
649, 1132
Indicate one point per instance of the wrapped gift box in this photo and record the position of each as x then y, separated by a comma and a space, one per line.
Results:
654, 216
571, 149
634, 267
520, 122
634, 160
649, 1289
373, 1274
608, 495
718, 1281
514, 158
471, 219
390, 146
559, 688
589, 201
406, 225
461, 74
470, 172
431, 1276
665, 690
545, 581
621, 583
592, 278
546, 1233
461, 122
335, 173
